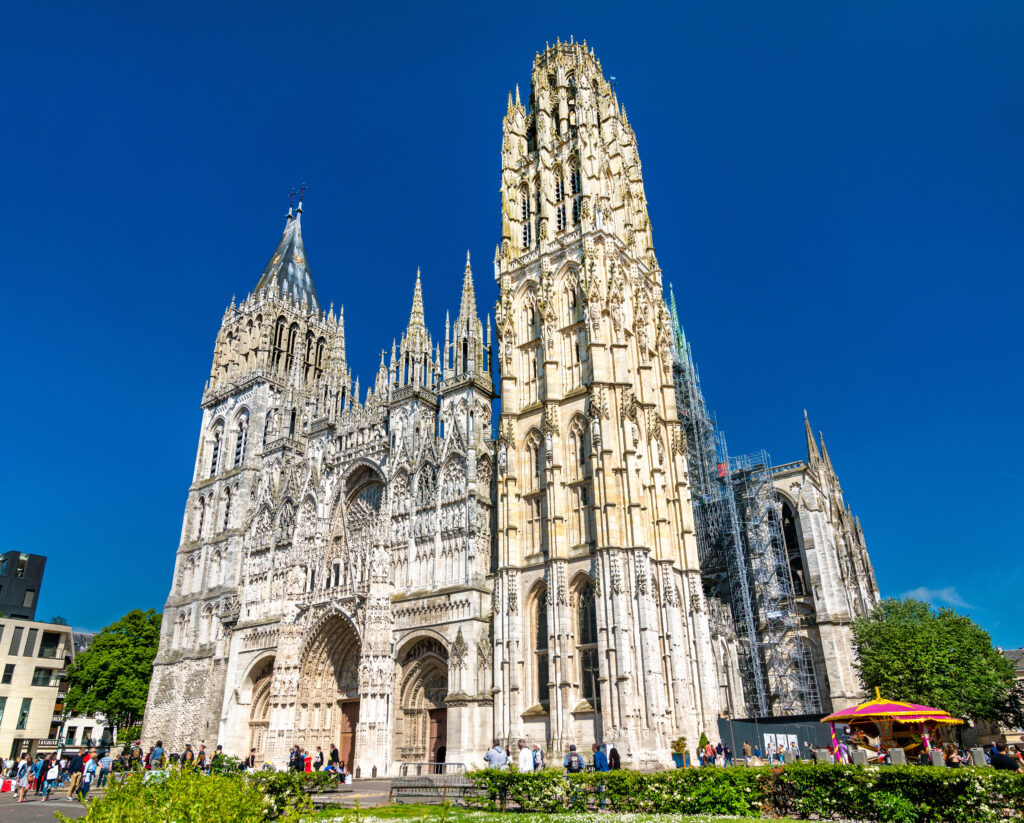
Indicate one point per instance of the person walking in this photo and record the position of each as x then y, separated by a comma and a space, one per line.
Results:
201, 757
23, 775
495, 756
318, 762
52, 776
250, 762
614, 761
89, 771
538, 757
188, 759
525, 762
748, 752
75, 766
335, 757
156, 757
106, 764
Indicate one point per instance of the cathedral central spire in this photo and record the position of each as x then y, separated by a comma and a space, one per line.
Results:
289, 268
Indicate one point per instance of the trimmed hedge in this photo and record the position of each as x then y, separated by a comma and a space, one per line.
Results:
893, 794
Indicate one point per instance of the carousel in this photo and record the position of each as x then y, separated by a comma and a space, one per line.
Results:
880, 724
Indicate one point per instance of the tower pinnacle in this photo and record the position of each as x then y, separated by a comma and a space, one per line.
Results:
813, 456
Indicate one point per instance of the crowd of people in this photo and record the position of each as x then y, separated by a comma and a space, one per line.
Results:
531, 759
74, 771
302, 760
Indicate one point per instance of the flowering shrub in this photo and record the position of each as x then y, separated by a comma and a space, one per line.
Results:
188, 796
902, 794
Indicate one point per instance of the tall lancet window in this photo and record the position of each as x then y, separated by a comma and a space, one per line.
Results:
586, 646
278, 344
227, 508
574, 181
218, 435
541, 670
524, 215
241, 438
559, 199
200, 517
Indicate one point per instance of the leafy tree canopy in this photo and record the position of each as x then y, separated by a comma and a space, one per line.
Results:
58, 621
112, 676
915, 653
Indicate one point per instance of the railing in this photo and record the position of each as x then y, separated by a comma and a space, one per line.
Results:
416, 769
788, 467
61, 695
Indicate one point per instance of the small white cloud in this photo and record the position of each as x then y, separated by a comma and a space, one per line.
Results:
948, 596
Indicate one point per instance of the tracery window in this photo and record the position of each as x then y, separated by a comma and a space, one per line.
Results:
586, 645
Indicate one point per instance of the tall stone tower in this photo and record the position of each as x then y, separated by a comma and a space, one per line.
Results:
600, 628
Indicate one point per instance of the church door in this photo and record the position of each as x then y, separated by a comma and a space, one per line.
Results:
347, 744
438, 736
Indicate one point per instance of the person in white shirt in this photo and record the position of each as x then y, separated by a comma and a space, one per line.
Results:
525, 757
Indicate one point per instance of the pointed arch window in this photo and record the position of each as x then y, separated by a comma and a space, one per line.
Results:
586, 645
540, 636
560, 199
574, 185
200, 517
524, 215
293, 339
241, 439
227, 509
218, 436
278, 342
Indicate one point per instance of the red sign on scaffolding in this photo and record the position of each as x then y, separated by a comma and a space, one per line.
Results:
723, 469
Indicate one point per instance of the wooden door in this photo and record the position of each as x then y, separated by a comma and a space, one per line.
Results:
347, 743
438, 736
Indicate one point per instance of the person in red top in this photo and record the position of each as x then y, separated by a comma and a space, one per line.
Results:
308, 761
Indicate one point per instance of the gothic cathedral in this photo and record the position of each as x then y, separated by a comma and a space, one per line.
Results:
393, 572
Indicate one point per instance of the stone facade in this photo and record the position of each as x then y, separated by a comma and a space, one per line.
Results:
832, 576
377, 570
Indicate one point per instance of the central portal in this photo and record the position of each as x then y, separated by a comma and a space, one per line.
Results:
327, 704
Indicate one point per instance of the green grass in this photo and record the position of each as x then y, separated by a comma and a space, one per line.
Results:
455, 814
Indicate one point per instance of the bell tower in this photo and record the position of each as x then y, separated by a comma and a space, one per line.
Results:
598, 578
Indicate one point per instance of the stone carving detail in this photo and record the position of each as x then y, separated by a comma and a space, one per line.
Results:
512, 581
457, 655
615, 566
642, 574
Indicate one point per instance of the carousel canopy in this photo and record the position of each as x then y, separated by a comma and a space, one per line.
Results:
879, 708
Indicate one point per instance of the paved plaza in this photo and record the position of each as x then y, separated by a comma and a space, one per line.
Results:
35, 809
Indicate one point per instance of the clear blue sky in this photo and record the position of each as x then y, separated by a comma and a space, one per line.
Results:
835, 189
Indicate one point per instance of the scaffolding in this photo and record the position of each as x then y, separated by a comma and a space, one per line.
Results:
742, 552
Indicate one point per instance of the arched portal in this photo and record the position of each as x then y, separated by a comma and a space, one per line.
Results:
259, 709
421, 732
327, 704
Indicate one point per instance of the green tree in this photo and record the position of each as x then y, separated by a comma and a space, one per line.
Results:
915, 653
58, 621
112, 676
